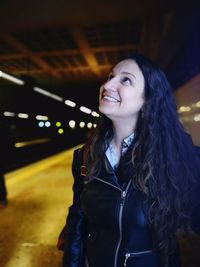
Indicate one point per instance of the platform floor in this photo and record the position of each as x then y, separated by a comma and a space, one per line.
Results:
38, 199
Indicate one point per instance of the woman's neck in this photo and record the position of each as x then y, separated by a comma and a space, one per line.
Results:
121, 131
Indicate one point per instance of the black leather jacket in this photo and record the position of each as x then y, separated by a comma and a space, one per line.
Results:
107, 226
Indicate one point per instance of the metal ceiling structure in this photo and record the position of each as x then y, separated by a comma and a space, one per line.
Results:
68, 47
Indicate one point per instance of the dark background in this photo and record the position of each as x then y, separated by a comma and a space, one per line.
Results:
68, 48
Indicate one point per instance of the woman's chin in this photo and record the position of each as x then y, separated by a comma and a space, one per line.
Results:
104, 110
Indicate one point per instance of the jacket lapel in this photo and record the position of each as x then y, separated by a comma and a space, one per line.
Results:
107, 174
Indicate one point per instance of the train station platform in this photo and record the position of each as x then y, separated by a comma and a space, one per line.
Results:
38, 199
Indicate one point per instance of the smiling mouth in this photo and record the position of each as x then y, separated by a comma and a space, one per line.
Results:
110, 99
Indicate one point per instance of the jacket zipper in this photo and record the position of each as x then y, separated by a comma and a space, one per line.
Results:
135, 254
123, 195
96, 178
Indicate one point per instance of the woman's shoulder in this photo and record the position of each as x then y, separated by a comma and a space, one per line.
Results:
80, 159
82, 152
78, 153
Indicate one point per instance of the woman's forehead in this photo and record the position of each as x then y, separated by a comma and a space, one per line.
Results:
128, 66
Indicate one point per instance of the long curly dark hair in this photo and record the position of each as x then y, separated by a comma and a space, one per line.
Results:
163, 156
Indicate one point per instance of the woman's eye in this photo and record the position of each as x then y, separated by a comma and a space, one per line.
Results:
126, 81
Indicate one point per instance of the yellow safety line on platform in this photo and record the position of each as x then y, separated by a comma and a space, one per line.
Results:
39, 166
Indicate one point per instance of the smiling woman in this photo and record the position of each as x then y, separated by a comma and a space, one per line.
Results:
141, 189
122, 96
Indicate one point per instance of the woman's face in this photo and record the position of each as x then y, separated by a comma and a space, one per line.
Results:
122, 95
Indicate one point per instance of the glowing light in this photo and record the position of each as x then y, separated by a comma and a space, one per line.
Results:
82, 124
58, 123
72, 124
184, 109
41, 124
41, 118
46, 93
197, 104
95, 114
70, 103
11, 78
60, 131
89, 125
23, 115
85, 110
94, 125
197, 117
47, 123
9, 114
32, 142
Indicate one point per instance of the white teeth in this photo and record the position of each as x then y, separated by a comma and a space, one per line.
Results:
110, 98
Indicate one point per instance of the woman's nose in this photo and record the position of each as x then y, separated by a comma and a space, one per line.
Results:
111, 85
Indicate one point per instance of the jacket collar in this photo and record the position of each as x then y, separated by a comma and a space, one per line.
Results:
107, 174
117, 178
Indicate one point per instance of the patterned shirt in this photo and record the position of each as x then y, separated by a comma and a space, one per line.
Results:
111, 155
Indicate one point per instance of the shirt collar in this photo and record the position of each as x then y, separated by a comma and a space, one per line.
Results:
128, 140
125, 145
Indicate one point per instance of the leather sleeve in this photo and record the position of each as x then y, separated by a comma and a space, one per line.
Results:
76, 222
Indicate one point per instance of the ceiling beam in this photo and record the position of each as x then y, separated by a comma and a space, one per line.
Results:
25, 51
62, 69
85, 48
71, 52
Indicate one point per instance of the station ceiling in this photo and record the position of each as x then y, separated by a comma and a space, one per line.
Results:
68, 47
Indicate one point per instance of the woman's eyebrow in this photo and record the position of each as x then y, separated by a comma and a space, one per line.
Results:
125, 72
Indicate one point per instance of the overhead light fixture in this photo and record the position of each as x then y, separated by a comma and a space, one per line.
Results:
10, 78
85, 110
95, 114
9, 114
44, 92
41, 118
70, 103
23, 115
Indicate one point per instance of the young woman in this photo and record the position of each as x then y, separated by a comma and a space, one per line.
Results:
141, 187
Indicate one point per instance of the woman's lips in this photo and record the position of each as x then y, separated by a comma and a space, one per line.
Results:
110, 98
